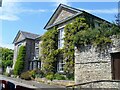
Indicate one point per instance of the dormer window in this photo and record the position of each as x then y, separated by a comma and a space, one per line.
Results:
61, 38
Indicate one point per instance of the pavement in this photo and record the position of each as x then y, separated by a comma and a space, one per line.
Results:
31, 83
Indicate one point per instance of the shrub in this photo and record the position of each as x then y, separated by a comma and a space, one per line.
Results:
25, 75
39, 73
7, 74
38, 76
59, 76
50, 76
32, 73
70, 76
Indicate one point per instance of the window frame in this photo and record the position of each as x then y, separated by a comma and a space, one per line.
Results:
61, 38
60, 65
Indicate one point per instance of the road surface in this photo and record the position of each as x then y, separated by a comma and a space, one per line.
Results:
30, 84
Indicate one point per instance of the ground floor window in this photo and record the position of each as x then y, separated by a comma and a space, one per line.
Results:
34, 65
60, 65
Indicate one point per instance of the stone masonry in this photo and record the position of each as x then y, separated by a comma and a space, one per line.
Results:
92, 64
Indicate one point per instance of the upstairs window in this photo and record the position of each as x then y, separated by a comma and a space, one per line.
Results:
61, 38
36, 50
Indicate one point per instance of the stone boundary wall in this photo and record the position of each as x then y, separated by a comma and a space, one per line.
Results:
91, 64
101, 84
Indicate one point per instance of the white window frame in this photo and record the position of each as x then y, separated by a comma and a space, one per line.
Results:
60, 65
61, 38
37, 53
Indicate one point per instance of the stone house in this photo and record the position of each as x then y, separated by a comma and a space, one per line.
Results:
63, 16
89, 64
31, 42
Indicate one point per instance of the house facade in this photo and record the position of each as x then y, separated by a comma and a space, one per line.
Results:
89, 64
31, 42
65, 15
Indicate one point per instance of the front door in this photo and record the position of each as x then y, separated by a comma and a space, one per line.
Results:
115, 63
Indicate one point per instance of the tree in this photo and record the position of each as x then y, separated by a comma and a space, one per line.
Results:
19, 65
6, 57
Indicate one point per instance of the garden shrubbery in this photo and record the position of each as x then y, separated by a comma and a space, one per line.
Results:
32, 74
59, 77
56, 76
28, 75
50, 76
25, 75
39, 73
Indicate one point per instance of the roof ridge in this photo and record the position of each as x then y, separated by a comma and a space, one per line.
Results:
84, 11
77, 10
28, 32
71, 7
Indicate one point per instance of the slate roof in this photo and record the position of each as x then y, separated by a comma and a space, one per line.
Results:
29, 35
26, 35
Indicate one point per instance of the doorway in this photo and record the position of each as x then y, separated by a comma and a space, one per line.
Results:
115, 64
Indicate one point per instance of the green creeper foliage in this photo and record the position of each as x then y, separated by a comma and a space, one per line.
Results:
78, 33
19, 65
100, 36
70, 31
49, 50
115, 30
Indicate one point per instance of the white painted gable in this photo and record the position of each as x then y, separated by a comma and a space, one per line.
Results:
63, 14
20, 37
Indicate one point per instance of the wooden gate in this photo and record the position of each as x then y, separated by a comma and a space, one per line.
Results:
115, 63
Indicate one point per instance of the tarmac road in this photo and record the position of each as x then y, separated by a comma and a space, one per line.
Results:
30, 84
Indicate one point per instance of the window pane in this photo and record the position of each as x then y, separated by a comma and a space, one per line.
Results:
61, 65
61, 38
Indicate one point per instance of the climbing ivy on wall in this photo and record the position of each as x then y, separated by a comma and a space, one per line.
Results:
19, 65
78, 33
100, 36
49, 50
70, 32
